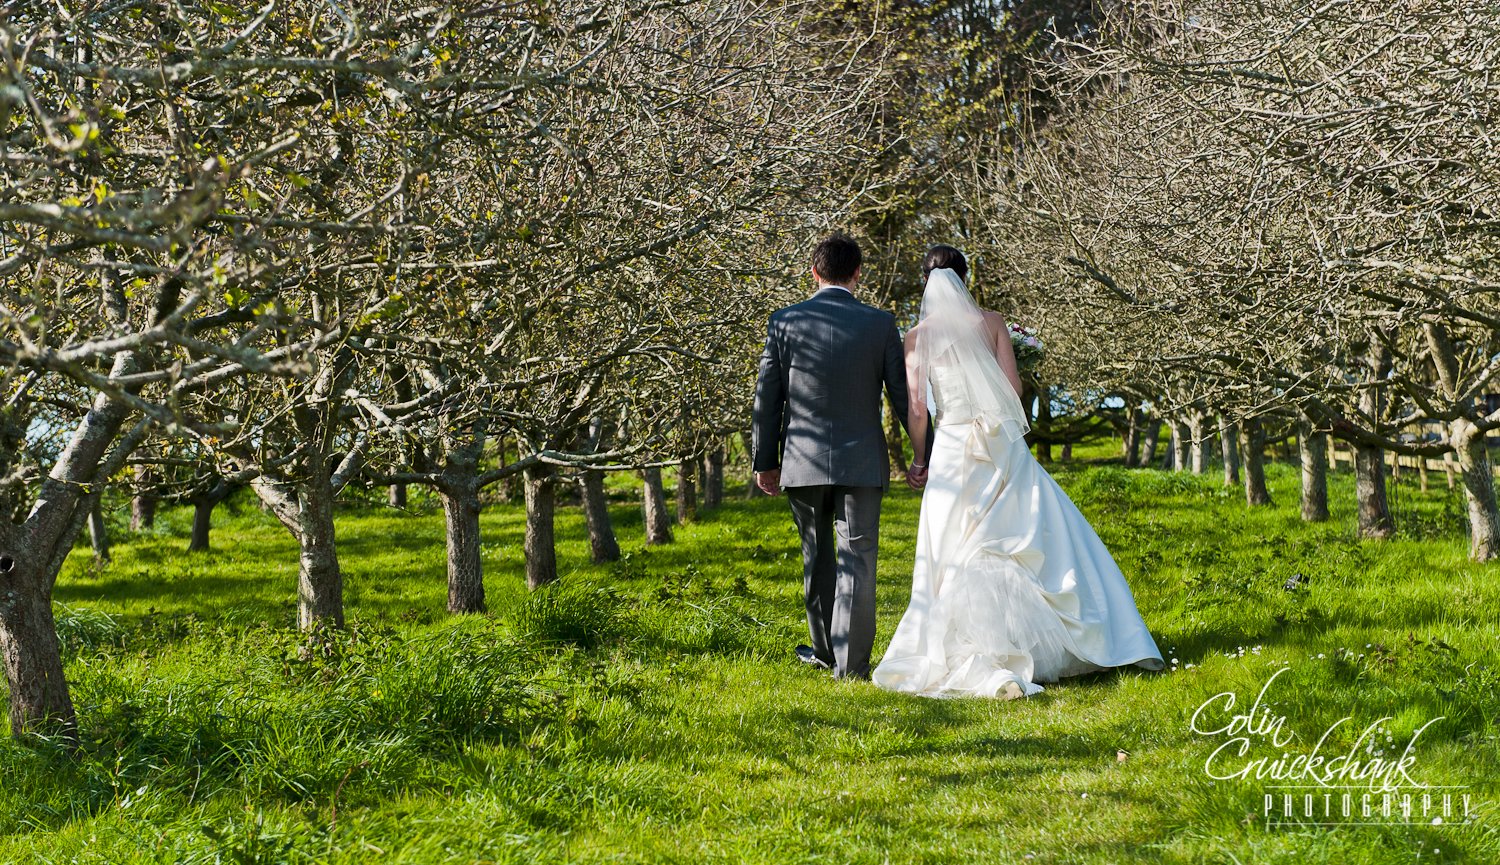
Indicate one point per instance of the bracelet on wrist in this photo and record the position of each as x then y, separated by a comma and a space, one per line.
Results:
919, 465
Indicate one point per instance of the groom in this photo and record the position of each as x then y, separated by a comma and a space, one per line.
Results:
818, 435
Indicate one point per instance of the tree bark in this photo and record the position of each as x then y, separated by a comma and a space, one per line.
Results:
713, 477
1180, 446
658, 520
603, 545
32, 553
305, 508
687, 491
1150, 440
1228, 433
1469, 448
320, 581
1043, 425
1197, 443
143, 503
1479, 490
396, 496
98, 532
39, 699
1312, 448
203, 508
461, 447
1375, 520
1130, 442
541, 546
460, 497
1252, 452
1374, 513
1067, 452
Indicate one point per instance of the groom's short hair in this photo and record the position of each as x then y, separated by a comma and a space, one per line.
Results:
836, 258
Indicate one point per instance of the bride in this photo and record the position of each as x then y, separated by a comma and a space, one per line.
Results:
1011, 585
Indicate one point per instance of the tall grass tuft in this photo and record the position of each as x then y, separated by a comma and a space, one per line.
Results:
575, 613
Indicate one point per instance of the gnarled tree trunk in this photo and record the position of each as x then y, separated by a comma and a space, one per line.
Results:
203, 508
1374, 518
1374, 513
687, 490
1181, 446
1043, 425
458, 486
32, 553
1312, 448
713, 477
1150, 440
39, 698
305, 508
1479, 490
1252, 452
1130, 441
603, 545
460, 497
143, 502
1197, 443
1229, 446
98, 532
658, 519
540, 545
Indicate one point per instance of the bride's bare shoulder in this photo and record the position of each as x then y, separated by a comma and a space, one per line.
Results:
994, 319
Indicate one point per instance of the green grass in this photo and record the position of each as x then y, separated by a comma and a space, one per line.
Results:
651, 711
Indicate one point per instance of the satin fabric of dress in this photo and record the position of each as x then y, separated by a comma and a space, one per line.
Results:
1011, 585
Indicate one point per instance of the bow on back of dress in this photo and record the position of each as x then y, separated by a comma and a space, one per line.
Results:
955, 356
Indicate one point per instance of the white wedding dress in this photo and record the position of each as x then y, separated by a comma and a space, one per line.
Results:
1011, 585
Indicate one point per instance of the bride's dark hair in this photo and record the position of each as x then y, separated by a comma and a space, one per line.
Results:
942, 256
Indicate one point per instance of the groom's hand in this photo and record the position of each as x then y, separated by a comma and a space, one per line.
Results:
769, 482
916, 477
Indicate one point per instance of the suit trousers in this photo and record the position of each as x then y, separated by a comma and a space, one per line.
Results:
840, 529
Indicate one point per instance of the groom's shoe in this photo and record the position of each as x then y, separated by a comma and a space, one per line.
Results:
805, 655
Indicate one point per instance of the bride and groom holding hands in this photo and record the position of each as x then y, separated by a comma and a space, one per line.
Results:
1011, 586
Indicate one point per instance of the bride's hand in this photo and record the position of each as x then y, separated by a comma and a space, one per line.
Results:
916, 476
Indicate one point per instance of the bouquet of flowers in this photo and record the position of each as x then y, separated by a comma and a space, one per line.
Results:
1027, 346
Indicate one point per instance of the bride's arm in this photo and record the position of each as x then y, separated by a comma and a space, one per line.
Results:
916, 401
1004, 352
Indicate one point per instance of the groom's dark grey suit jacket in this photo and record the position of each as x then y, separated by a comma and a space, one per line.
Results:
817, 400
